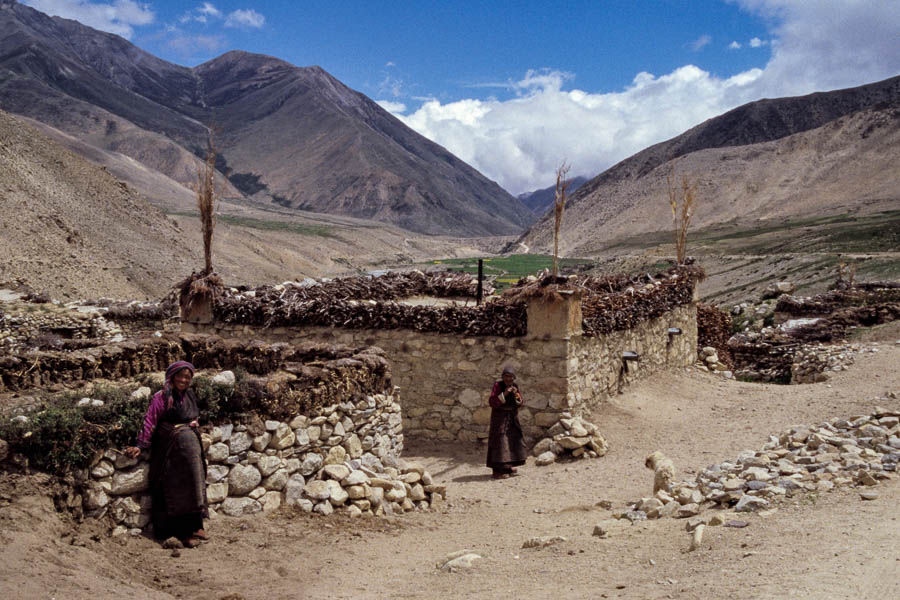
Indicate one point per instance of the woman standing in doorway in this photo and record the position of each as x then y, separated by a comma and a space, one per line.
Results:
506, 449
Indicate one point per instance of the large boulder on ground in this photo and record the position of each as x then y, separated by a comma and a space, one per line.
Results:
774, 290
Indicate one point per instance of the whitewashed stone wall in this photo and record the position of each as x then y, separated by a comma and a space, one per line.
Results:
446, 379
343, 457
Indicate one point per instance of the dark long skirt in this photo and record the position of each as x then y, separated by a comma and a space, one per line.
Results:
177, 482
506, 449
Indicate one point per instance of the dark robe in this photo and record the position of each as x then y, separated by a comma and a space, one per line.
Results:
178, 471
506, 449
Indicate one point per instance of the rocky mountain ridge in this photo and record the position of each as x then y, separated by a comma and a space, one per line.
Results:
287, 135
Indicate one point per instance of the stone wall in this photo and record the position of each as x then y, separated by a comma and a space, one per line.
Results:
343, 457
446, 378
597, 370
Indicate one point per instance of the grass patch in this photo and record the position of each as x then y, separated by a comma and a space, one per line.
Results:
507, 270
269, 225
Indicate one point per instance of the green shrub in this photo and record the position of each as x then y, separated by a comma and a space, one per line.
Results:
61, 436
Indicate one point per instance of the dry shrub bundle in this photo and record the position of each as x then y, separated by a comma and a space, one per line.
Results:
681, 199
198, 287
370, 303
604, 312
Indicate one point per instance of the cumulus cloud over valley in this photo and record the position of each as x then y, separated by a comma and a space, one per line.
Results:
519, 142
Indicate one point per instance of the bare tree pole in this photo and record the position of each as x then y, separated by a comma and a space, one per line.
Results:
206, 201
562, 184
681, 199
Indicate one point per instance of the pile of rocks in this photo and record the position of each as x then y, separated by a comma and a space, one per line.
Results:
812, 364
571, 437
753, 318
709, 361
859, 451
344, 457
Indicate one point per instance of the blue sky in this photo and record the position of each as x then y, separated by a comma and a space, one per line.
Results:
516, 87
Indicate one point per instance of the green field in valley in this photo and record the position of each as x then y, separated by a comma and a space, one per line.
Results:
507, 270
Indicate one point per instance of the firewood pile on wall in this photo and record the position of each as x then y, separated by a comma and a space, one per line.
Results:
609, 304
617, 302
373, 303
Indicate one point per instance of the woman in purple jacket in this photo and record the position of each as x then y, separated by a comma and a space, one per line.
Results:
177, 464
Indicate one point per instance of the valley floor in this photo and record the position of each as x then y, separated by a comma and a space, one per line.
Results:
831, 545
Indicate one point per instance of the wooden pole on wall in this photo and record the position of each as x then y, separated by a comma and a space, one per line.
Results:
479, 291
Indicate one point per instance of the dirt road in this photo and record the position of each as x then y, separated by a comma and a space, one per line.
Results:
832, 545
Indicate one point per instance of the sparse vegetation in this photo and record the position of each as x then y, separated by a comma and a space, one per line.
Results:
60, 436
268, 225
681, 199
206, 201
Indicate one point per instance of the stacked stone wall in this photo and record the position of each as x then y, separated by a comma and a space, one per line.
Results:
598, 370
343, 457
446, 379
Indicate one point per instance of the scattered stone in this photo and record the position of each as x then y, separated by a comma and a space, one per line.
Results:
697, 539
545, 458
868, 495
172, 543
225, 378
543, 542
600, 531
458, 561
736, 524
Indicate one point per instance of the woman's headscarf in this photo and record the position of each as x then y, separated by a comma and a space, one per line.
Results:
174, 369
508, 370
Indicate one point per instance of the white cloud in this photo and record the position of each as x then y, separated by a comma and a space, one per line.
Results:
118, 17
189, 46
828, 44
201, 14
520, 142
816, 46
391, 85
207, 8
756, 42
245, 17
392, 107
734, 46
700, 42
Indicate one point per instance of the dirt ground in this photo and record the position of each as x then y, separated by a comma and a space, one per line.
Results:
833, 545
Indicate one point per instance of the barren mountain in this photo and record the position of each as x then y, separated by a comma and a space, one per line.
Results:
541, 200
832, 153
289, 135
70, 228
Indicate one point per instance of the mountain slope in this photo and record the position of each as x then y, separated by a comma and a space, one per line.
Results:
827, 153
290, 135
541, 200
69, 227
